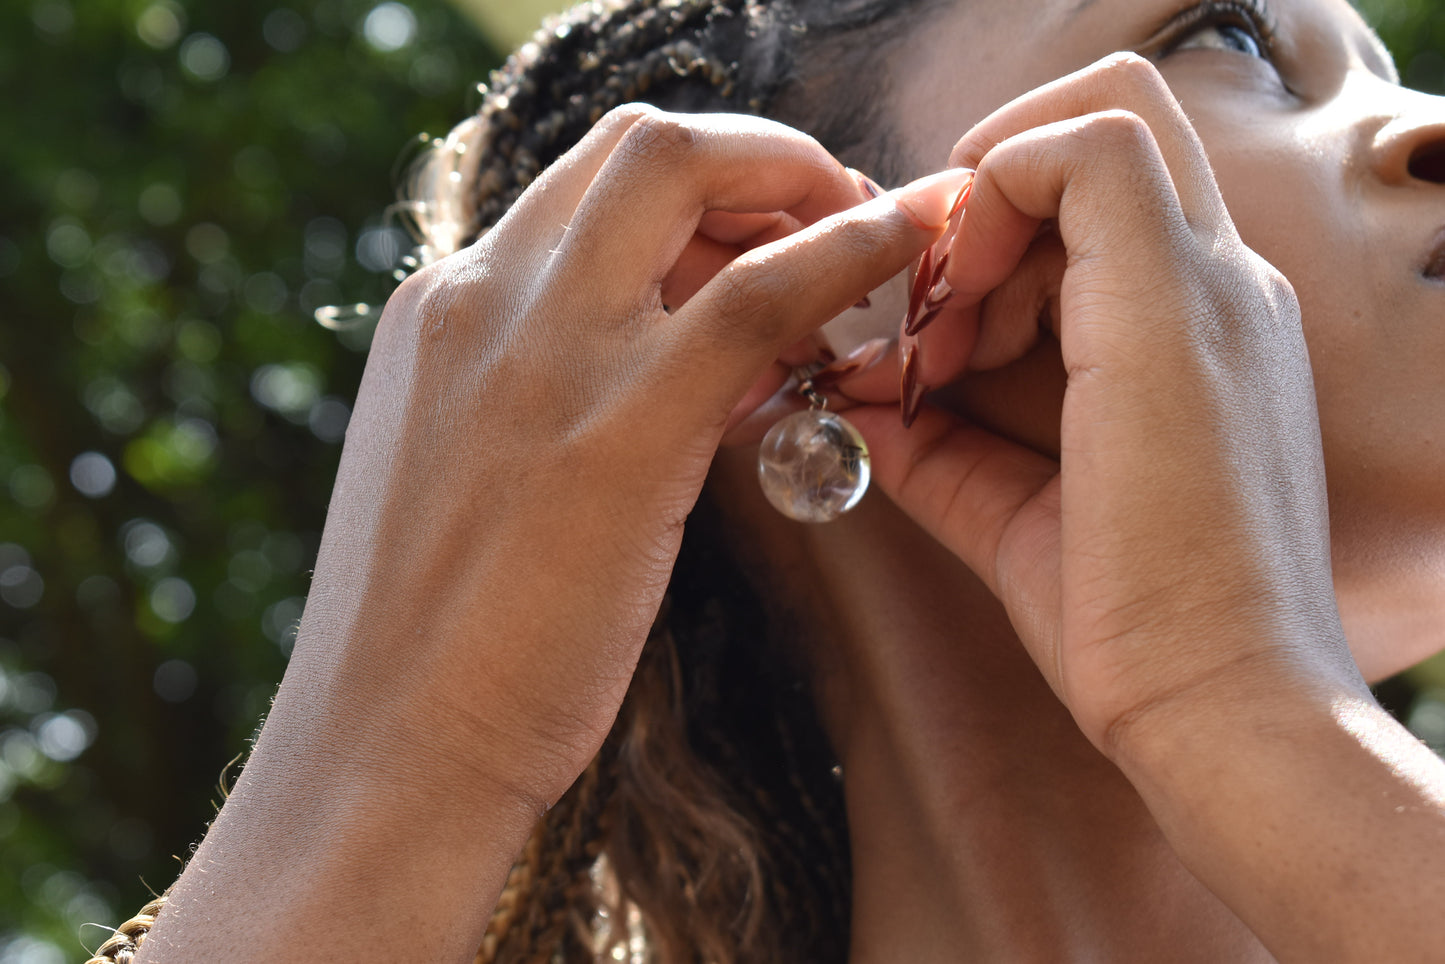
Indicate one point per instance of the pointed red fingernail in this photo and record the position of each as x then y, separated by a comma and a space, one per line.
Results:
962, 199
939, 266
864, 356
869, 186
911, 392
924, 320
921, 285
863, 302
940, 293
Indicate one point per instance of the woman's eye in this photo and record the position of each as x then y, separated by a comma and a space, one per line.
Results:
1224, 36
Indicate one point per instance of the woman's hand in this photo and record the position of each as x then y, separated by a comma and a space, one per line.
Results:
1181, 549
536, 420
540, 413
1170, 573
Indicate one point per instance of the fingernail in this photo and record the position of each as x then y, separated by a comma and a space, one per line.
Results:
938, 268
932, 306
866, 184
910, 392
863, 357
915, 325
922, 279
962, 198
930, 201
863, 302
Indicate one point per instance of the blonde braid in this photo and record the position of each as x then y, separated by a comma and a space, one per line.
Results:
122, 946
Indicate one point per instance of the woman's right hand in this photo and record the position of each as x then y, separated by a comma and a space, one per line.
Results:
532, 429
534, 425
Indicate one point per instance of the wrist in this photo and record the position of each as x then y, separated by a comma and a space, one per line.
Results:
1302, 807
1253, 702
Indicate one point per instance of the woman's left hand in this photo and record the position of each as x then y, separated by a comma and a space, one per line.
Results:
1180, 546
1170, 572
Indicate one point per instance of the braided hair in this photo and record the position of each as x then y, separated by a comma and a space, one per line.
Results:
711, 825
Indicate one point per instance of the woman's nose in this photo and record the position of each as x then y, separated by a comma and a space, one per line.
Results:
1428, 162
1411, 146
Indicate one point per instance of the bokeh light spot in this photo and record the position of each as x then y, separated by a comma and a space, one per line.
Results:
173, 599
146, 544
160, 204
160, 24
389, 26
204, 57
92, 474
52, 17
64, 736
32, 693
281, 620
290, 388
31, 487
208, 243
21, 586
328, 419
114, 405
284, 29
67, 243
325, 247
174, 681
28, 949
379, 249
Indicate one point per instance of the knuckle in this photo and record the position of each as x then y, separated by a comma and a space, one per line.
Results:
428, 299
1278, 290
748, 294
626, 115
659, 138
415, 297
1128, 70
1118, 133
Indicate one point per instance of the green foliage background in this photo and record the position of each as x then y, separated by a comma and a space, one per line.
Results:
181, 184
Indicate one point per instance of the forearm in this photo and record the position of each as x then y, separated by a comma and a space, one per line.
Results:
330, 849
1313, 815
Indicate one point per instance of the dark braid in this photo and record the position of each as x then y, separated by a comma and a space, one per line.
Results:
689, 55
582, 66
713, 806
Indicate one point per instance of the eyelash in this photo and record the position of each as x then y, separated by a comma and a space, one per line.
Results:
1250, 15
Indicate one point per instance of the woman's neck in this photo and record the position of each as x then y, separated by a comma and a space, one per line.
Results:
983, 825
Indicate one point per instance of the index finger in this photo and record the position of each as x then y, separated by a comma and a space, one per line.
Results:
668, 170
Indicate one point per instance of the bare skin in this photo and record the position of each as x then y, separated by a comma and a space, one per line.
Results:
1047, 818
1103, 711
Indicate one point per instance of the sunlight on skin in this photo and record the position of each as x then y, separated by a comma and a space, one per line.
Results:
1407, 758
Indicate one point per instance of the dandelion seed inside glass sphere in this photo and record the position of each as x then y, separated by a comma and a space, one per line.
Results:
813, 466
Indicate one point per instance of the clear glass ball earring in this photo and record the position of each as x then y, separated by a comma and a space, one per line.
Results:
813, 464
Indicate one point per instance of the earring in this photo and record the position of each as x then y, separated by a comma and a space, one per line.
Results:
813, 464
